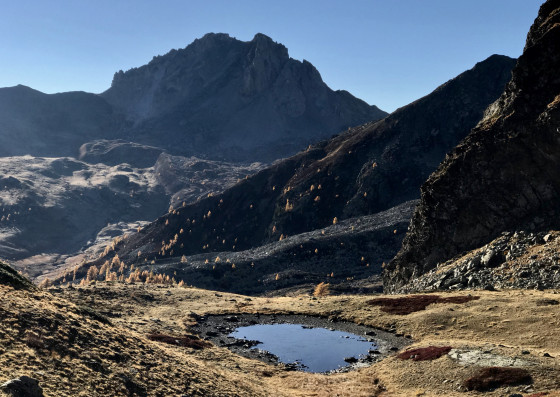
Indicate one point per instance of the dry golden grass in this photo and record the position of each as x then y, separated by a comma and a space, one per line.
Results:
504, 322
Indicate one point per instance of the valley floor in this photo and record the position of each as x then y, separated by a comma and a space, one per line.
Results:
74, 351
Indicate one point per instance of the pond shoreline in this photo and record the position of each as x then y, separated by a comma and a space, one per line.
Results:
216, 328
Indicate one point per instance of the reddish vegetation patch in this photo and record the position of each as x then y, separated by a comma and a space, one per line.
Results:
458, 299
425, 353
186, 341
541, 394
490, 378
415, 303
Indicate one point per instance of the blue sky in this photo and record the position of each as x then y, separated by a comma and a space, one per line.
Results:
387, 52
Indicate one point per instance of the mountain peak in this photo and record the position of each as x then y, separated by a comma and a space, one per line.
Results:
232, 91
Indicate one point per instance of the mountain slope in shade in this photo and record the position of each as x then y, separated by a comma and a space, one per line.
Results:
233, 100
55, 125
504, 175
363, 171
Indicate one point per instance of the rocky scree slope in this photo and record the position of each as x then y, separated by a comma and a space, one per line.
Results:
504, 175
233, 100
360, 172
515, 260
348, 255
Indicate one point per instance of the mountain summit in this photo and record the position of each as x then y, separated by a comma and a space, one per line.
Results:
233, 100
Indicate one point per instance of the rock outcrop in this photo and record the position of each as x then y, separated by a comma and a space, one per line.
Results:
24, 386
504, 175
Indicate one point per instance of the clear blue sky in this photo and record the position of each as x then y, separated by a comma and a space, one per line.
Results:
387, 52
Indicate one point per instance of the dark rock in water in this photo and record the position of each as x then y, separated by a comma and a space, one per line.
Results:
504, 175
24, 386
351, 360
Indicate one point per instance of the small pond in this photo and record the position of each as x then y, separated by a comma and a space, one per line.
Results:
300, 342
312, 349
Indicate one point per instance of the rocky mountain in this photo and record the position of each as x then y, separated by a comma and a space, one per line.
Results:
503, 177
74, 163
233, 100
218, 98
363, 171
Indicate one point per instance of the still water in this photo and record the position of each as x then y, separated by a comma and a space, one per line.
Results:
314, 349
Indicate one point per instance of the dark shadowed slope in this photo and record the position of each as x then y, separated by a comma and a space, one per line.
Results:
52, 125
504, 175
363, 171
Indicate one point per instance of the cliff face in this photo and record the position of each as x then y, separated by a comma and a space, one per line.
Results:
233, 100
504, 175
360, 172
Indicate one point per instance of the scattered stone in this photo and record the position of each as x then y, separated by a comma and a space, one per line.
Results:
24, 386
485, 359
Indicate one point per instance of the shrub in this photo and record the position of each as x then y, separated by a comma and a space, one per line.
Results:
322, 289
